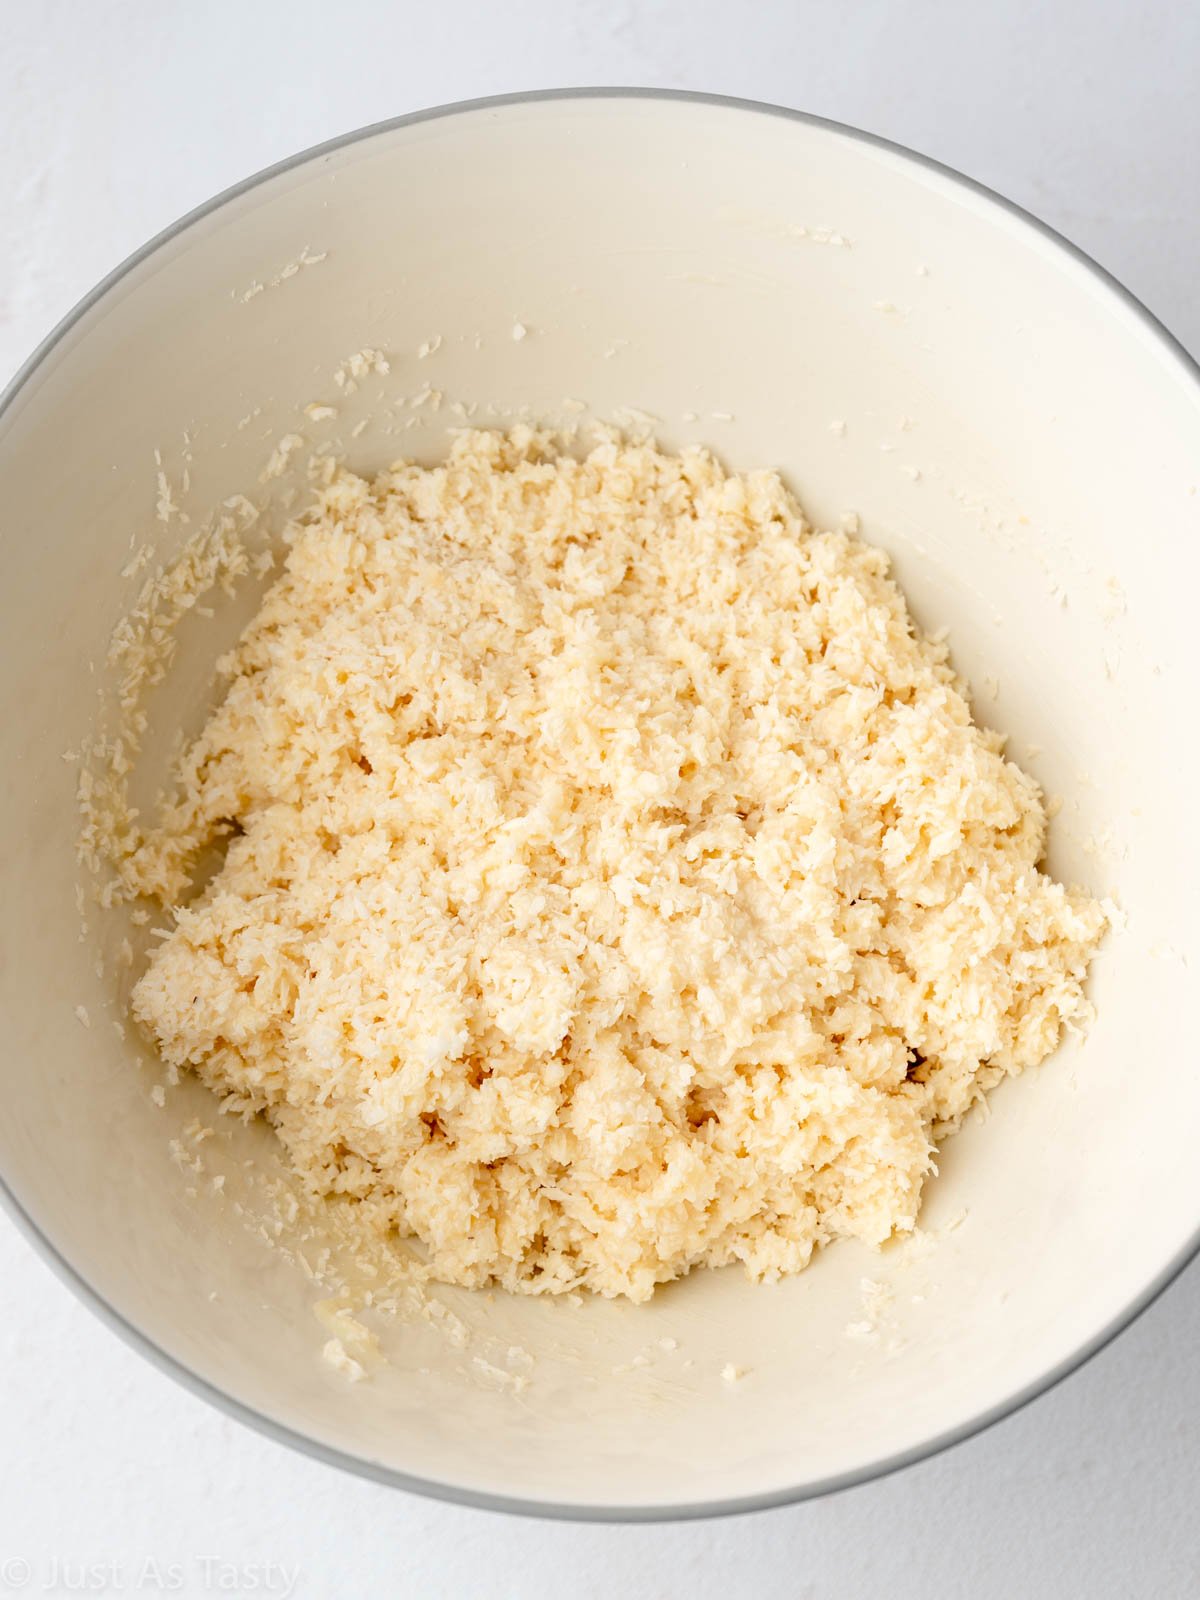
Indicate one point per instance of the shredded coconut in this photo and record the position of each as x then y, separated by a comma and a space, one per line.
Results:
357, 366
140, 652
615, 881
281, 455
339, 1358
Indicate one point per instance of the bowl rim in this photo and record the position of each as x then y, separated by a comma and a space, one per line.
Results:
485, 1500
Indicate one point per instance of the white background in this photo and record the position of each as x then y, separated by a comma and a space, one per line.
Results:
115, 118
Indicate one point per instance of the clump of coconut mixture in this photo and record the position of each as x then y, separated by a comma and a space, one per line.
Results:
615, 882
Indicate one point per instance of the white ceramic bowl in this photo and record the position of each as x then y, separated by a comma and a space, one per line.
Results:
1006, 421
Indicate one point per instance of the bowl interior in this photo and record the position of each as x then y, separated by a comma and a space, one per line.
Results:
1012, 430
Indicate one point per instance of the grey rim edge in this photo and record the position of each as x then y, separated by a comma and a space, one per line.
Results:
279, 1432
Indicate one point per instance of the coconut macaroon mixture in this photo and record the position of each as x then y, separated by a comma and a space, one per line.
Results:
615, 881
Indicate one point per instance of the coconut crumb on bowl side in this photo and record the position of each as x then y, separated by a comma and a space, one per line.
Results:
615, 881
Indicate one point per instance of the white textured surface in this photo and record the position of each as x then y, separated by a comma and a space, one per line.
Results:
114, 118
